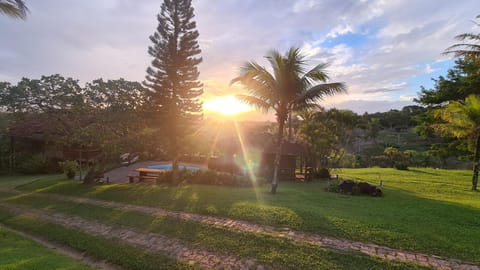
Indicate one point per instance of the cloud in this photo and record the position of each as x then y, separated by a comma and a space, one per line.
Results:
109, 38
389, 88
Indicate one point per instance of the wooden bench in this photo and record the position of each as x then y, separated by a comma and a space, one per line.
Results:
144, 174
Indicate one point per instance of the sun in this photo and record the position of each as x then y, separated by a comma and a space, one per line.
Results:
226, 105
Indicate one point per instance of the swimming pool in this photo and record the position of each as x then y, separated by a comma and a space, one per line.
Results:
168, 167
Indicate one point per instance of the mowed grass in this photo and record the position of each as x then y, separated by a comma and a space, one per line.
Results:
18, 252
425, 210
12, 181
277, 253
113, 251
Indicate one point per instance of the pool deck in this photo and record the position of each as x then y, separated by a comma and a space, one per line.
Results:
120, 174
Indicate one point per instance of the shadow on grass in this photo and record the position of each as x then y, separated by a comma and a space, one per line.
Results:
402, 219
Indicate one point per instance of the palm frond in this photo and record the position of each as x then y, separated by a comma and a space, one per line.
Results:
14, 8
316, 74
255, 102
256, 79
318, 92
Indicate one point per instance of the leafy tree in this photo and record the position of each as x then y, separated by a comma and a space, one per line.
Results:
288, 88
48, 93
14, 8
461, 81
173, 74
462, 120
118, 95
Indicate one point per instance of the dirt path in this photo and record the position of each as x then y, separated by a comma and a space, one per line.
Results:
72, 253
296, 236
153, 242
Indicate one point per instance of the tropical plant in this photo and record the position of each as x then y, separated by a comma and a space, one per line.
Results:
469, 48
14, 8
289, 87
173, 75
462, 120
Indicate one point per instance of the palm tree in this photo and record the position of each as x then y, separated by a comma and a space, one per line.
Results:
462, 120
290, 87
469, 47
14, 8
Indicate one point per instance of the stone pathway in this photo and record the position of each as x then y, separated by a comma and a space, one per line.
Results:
153, 242
296, 236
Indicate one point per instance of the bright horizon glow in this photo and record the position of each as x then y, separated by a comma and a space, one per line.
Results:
226, 105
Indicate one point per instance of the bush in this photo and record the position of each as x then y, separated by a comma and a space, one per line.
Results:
34, 164
401, 165
209, 177
69, 168
354, 188
323, 173
333, 187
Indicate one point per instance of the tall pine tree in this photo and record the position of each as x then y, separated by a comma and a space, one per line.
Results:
173, 75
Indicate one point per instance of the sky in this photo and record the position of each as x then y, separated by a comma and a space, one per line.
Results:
383, 50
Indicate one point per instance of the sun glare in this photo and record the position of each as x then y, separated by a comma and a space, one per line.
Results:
226, 105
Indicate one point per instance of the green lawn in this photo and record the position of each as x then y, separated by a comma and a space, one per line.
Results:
18, 252
426, 210
278, 253
18, 180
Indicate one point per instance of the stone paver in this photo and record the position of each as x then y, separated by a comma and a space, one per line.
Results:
296, 236
153, 242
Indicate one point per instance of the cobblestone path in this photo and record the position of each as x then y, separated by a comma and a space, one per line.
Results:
296, 236
153, 242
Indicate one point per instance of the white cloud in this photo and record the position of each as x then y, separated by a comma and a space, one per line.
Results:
401, 40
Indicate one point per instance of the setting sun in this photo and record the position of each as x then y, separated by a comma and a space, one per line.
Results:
227, 105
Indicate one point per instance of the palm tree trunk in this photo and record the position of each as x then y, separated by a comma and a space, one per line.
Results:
278, 156
476, 158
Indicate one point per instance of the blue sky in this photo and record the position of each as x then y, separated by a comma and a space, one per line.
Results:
383, 50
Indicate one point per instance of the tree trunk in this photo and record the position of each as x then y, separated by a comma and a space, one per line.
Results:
476, 157
175, 157
278, 156
290, 135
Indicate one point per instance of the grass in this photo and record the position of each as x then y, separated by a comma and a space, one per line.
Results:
279, 253
12, 181
110, 250
425, 210
18, 252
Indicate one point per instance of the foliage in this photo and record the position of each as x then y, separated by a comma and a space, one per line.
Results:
14, 8
461, 81
37, 164
469, 48
326, 134
289, 87
462, 121
209, 177
69, 168
172, 77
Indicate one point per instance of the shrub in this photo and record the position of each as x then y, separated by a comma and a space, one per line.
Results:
34, 164
69, 168
401, 165
323, 173
333, 187
354, 188
209, 177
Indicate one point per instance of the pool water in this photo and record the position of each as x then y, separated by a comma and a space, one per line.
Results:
168, 167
